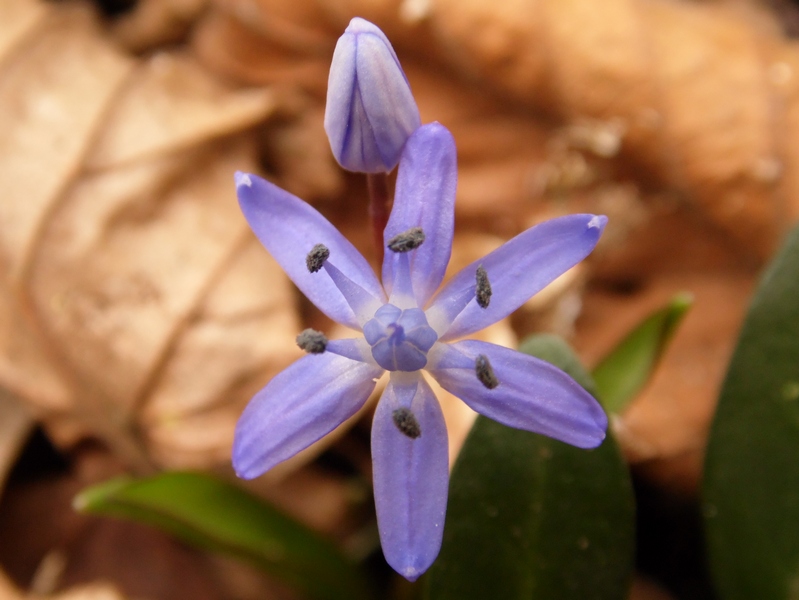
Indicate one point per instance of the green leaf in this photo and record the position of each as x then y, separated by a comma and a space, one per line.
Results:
554, 350
221, 517
751, 487
623, 373
531, 518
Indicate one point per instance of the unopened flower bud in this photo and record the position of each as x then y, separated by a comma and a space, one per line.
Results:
370, 109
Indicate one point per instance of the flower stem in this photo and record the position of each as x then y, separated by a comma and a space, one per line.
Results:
378, 209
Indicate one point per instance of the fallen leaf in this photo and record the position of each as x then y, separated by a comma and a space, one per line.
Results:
135, 304
15, 427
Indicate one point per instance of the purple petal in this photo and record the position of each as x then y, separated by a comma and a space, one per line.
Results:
370, 110
410, 476
401, 293
289, 228
425, 197
516, 270
352, 348
532, 394
300, 405
362, 303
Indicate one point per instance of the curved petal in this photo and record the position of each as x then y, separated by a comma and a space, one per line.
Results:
289, 228
425, 197
410, 476
300, 405
532, 394
516, 270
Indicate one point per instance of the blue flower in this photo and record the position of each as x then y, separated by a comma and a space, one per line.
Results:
409, 325
370, 109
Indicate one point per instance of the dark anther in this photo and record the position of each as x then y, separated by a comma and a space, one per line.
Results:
316, 257
406, 422
312, 341
482, 291
407, 240
485, 373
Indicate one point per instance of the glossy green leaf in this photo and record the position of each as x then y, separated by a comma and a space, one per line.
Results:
751, 487
534, 519
626, 369
221, 517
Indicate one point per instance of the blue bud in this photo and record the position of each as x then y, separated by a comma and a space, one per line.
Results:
370, 109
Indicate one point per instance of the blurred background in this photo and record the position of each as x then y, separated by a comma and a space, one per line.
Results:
138, 314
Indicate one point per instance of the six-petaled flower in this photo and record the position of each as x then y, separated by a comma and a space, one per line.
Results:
409, 324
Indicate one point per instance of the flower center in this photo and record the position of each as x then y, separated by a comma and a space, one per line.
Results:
399, 338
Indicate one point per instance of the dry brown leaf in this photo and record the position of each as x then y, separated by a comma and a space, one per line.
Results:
95, 591
243, 332
298, 149
169, 105
18, 18
60, 80
253, 58
7, 589
16, 425
135, 305
92, 591
154, 23
122, 292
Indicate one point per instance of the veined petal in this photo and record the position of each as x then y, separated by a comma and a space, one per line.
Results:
289, 228
410, 476
532, 394
516, 270
425, 197
300, 405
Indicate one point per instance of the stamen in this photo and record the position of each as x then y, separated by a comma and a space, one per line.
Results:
485, 373
406, 422
482, 291
316, 257
407, 240
312, 341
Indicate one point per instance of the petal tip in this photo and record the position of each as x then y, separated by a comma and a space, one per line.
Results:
361, 25
245, 474
244, 470
243, 464
242, 179
433, 131
597, 222
594, 439
411, 573
596, 442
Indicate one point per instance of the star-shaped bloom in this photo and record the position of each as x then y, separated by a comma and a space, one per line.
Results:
370, 109
408, 325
